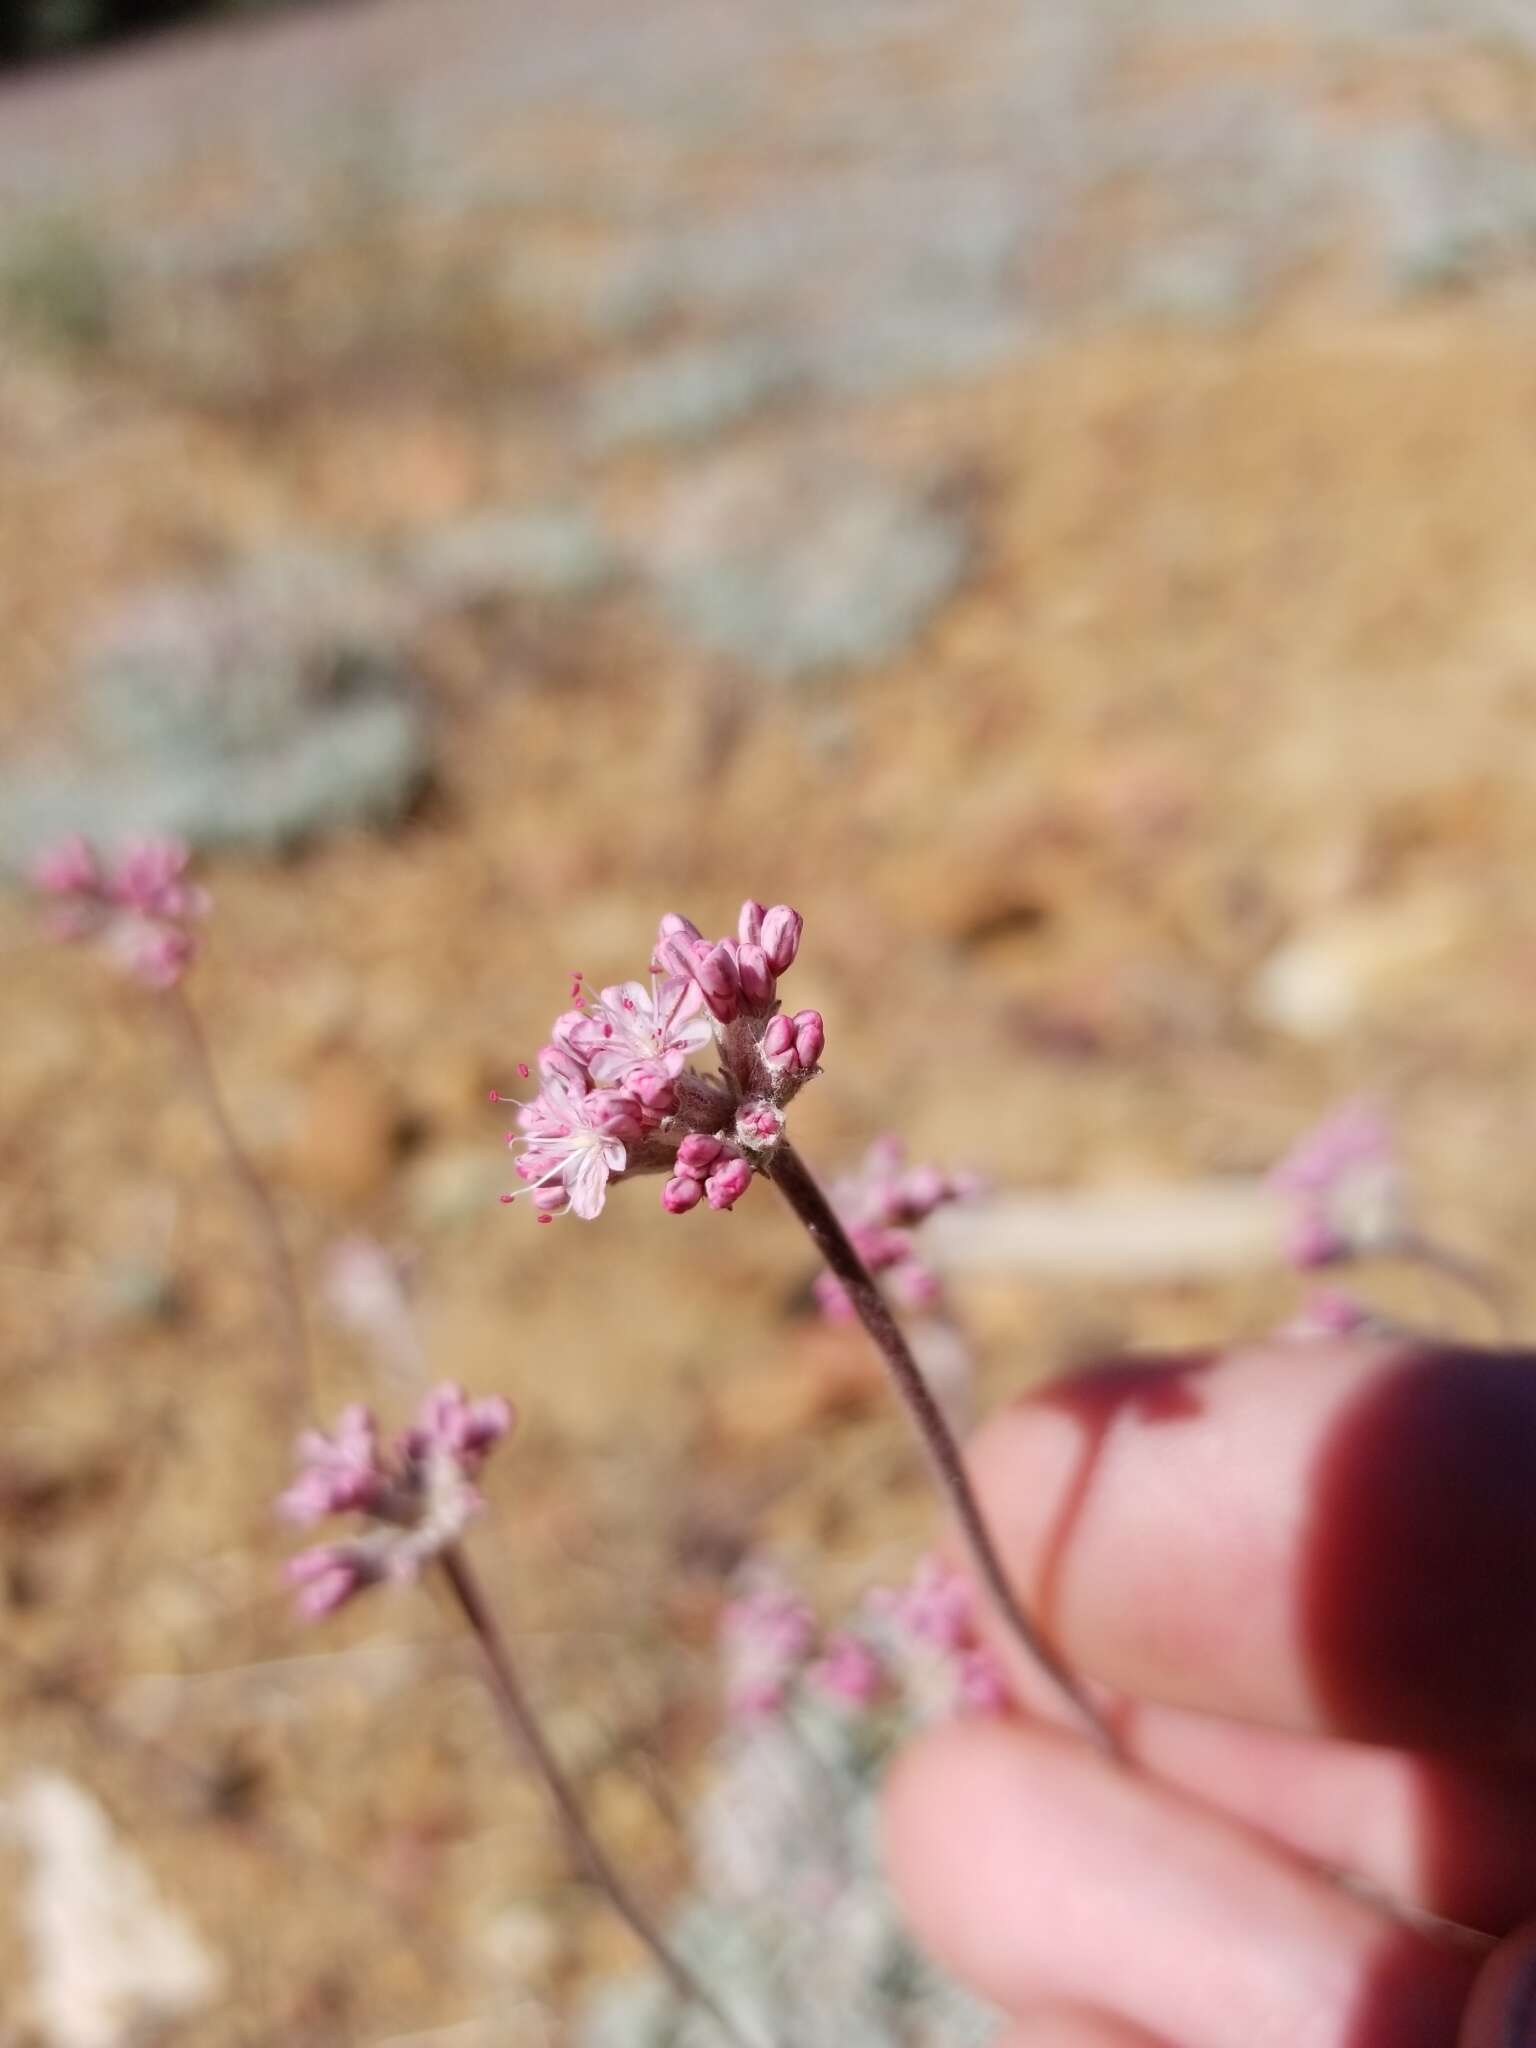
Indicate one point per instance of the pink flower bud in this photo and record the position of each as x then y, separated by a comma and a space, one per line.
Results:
916, 1286
697, 1154
779, 1038
849, 1670
681, 1194
652, 1086
758, 1122
718, 976
466, 1430
674, 938
68, 869
983, 1684
781, 936
1311, 1240
810, 1038
675, 957
158, 955
756, 976
920, 1190
326, 1578
832, 1298
560, 1060
749, 925
148, 877
728, 1183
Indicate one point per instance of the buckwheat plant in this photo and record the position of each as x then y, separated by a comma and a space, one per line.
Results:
618, 1100
139, 908
413, 1496
1349, 1201
140, 911
789, 1904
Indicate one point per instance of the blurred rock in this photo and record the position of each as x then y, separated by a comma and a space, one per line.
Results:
1353, 962
135, 1290
553, 552
793, 565
521, 1945
459, 1182
258, 707
1448, 205
689, 394
112, 1961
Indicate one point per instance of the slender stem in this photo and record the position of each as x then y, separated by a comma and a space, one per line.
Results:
1480, 1281
516, 1710
799, 1188
283, 1274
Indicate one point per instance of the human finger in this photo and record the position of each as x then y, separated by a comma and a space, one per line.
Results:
1074, 2027
1501, 2013
1043, 1874
1326, 1538
1431, 1832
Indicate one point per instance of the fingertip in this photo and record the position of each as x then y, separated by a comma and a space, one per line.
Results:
1328, 1538
1501, 2012
1056, 2027
923, 1801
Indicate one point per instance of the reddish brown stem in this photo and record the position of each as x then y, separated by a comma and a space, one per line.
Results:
282, 1273
517, 1713
799, 1188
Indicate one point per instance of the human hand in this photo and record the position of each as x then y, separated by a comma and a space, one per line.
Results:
1306, 1575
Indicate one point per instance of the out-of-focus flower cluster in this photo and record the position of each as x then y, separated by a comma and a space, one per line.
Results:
414, 1494
881, 1205
140, 907
917, 1643
617, 1097
1345, 1187
790, 1916
1328, 1313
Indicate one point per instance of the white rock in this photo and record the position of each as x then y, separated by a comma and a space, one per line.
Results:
110, 1958
1337, 971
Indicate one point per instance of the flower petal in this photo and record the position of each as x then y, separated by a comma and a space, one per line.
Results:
586, 1179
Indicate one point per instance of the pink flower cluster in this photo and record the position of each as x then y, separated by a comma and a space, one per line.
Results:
937, 1610
919, 1642
617, 1097
766, 1640
1327, 1312
416, 1494
141, 907
881, 1205
1345, 1188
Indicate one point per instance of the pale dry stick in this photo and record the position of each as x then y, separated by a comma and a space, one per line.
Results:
283, 1274
800, 1190
518, 1714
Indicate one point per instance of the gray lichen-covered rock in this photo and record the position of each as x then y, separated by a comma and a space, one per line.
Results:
258, 707
688, 394
795, 566
550, 552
